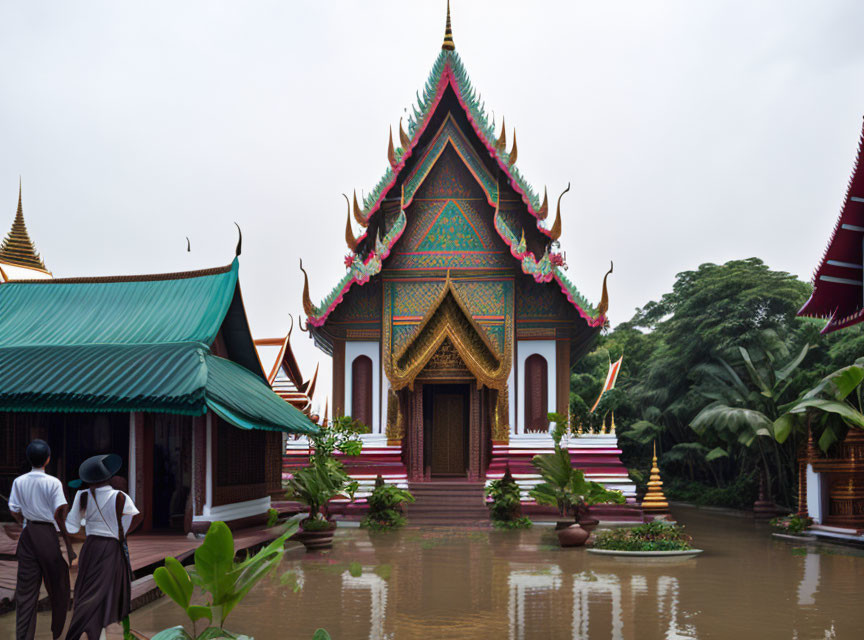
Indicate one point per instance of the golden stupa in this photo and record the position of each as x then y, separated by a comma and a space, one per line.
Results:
654, 499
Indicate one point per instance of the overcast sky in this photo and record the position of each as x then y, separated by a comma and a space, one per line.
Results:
692, 131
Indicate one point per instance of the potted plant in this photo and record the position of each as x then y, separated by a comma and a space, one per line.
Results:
566, 488
792, 524
505, 503
385, 506
655, 538
323, 479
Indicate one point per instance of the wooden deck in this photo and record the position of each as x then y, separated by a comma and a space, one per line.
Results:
146, 551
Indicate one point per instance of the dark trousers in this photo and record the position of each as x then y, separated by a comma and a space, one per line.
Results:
39, 559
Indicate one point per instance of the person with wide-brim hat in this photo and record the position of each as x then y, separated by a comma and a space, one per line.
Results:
104, 585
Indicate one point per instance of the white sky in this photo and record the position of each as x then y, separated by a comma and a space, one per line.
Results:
691, 131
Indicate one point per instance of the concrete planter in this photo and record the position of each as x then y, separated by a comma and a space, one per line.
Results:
690, 553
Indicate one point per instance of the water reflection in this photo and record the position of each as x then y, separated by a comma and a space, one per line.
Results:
422, 584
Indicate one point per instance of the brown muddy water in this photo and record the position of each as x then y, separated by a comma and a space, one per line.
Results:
467, 584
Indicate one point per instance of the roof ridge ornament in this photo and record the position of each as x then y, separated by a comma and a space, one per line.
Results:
239, 249
448, 44
543, 211
514, 152
404, 140
350, 240
358, 212
308, 307
391, 151
555, 231
603, 307
501, 143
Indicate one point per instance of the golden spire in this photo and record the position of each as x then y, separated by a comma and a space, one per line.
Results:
350, 240
654, 499
555, 231
308, 307
612, 422
543, 211
514, 152
603, 307
17, 248
448, 44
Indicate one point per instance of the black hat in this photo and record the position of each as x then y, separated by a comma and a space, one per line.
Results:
100, 468
38, 452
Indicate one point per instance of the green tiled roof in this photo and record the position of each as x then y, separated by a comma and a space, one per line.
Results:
130, 344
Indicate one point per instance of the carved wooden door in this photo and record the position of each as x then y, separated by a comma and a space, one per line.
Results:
447, 449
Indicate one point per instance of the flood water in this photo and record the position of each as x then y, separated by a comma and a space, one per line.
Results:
466, 584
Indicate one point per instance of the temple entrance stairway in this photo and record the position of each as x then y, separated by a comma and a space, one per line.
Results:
447, 502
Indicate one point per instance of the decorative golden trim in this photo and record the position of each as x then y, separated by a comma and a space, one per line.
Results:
449, 319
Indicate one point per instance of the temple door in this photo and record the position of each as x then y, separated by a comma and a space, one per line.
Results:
447, 446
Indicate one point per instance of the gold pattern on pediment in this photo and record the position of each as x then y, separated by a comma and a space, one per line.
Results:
448, 321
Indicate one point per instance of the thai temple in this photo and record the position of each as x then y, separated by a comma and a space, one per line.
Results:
831, 487
455, 327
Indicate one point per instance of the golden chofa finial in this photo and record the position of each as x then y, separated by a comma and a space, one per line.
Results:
654, 500
501, 143
391, 150
404, 140
514, 152
350, 240
448, 44
308, 307
555, 231
603, 307
543, 211
358, 212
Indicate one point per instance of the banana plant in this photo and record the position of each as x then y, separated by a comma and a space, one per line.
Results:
836, 403
223, 581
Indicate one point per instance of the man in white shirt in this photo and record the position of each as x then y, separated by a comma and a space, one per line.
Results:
38, 503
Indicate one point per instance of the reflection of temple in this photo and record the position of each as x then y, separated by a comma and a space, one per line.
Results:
831, 488
455, 327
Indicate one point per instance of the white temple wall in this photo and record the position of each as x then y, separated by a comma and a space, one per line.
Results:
524, 350
372, 350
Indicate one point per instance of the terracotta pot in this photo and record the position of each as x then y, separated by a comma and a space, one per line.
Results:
588, 523
315, 540
572, 536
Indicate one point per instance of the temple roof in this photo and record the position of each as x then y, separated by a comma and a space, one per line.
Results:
17, 251
285, 377
449, 72
837, 281
136, 343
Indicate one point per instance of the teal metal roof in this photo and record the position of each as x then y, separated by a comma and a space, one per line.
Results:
133, 344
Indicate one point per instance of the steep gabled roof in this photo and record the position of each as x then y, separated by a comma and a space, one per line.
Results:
837, 281
449, 72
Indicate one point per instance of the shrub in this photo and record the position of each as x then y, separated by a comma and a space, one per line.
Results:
739, 495
657, 535
505, 505
385, 506
792, 524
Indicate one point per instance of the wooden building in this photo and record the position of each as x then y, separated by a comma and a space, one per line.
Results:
160, 369
455, 327
831, 486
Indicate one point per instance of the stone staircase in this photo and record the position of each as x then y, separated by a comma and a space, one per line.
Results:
447, 503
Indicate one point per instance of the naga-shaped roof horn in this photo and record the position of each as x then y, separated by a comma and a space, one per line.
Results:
501, 143
603, 307
514, 152
350, 240
358, 212
404, 140
391, 150
555, 231
308, 307
543, 211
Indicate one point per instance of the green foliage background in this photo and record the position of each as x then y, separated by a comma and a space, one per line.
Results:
670, 348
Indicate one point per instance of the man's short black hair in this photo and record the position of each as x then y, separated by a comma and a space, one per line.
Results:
38, 453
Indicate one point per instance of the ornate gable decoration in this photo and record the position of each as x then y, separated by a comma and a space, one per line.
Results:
447, 328
449, 134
